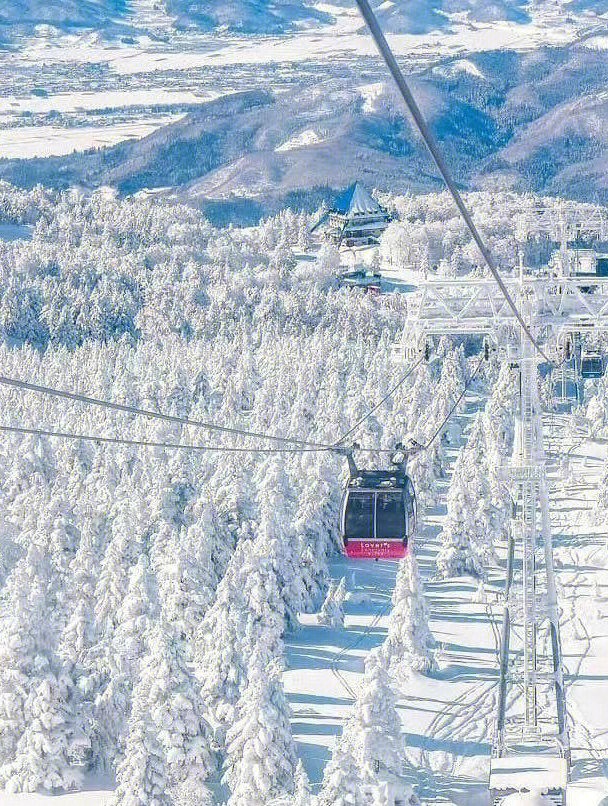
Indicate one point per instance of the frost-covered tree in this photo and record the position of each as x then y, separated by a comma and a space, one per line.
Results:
80, 632
113, 581
247, 615
260, 755
332, 610
169, 741
302, 794
499, 410
373, 730
141, 776
315, 527
186, 584
342, 784
221, 665
134, 617
52, 750
408, 644
28, 632
276, 540
487, 519
458, 555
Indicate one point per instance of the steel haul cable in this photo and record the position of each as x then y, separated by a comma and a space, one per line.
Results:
108, 404
392, 391
456, 404
123, 407
41, 432
296, 446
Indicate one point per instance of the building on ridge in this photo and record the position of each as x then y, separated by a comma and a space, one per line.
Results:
356, 218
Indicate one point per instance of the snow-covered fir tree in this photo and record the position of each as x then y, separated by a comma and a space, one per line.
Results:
458, 555
373, 729
168, 735
409, 642
342, 783
260, 760
53, 749
332, 610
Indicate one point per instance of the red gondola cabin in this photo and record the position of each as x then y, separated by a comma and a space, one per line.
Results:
378, 515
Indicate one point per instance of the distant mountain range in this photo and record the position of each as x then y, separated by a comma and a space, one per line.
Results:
243, 16
535, 121
61, 13
270, 16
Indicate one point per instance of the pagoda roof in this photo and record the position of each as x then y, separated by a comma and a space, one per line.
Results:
356, 200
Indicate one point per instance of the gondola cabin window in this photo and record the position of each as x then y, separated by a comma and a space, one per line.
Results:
390, 515
360, 516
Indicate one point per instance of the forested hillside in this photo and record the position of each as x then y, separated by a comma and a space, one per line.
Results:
147, 589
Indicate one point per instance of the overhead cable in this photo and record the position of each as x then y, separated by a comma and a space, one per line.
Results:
139, 443
40, 432
392, 391
456, 404
433, 147
108, 404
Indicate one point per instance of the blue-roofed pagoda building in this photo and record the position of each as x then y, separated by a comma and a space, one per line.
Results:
356, 218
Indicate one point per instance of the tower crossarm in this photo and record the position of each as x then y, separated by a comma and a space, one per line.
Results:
475, 307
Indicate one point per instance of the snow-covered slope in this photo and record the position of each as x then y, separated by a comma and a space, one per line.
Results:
527, 121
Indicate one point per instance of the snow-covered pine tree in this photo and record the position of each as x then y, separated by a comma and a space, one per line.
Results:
264, 618
332, 610
488, 525
135, 615
457, 555
141, 776
186, 585
80, 632
421, 469
221, 666
248, 614
167, 722
342, 784
52, 751
302, 792
122, 551
409, 642
420, 399
29, 627
373, 729
260, 758
499, 410
276, 540
79, 640
118, 651
314, 525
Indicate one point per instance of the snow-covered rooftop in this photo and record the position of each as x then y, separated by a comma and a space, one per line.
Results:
356, 200
533, 773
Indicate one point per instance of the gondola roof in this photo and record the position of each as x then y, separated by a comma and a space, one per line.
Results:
378, 479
